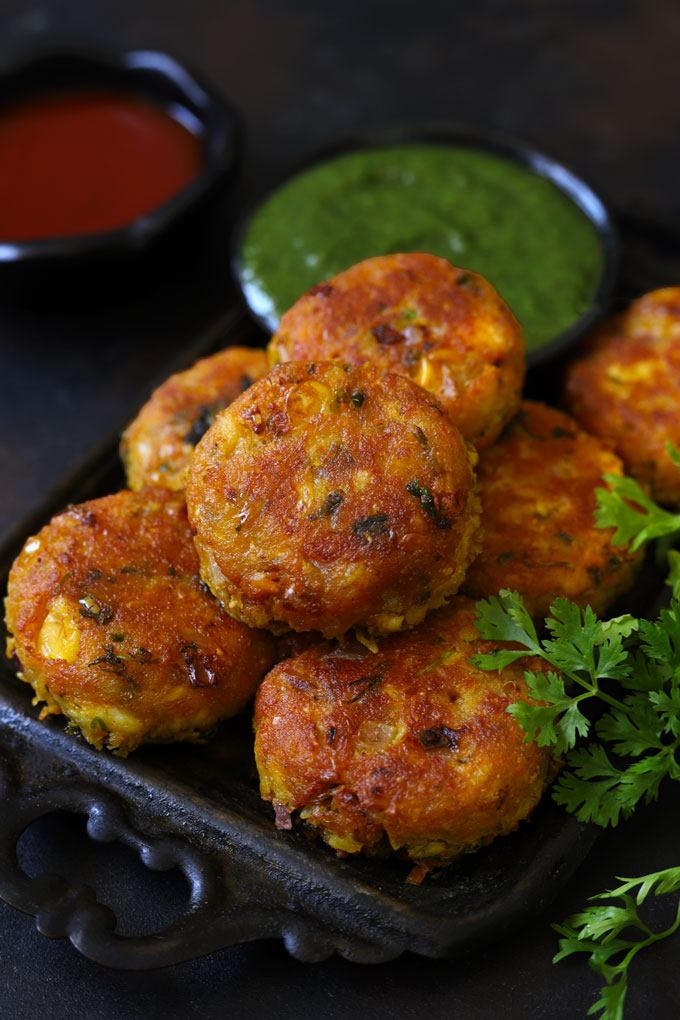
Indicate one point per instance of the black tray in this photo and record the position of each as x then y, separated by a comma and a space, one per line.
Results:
198, 808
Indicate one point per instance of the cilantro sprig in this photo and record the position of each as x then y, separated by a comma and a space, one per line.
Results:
627, 667
625, 506
613, 933
630, 670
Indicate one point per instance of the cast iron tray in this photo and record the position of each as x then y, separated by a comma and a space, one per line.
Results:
198, 808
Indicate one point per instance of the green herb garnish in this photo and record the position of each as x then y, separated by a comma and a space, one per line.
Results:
422, 493
639, 734
613, 933
631, 668
364, 685
426, 498
626, 507
673, 579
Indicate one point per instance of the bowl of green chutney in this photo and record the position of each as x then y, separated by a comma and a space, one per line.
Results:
541, 235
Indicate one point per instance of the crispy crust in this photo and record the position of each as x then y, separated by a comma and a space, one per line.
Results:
626, 389
537, 487
113, 627
413, 742
331, 496
416, 314
156, 447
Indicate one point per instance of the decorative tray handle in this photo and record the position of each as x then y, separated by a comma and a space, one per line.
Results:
217, 913
246, 880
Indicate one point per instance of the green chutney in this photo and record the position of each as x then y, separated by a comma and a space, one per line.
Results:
480, 211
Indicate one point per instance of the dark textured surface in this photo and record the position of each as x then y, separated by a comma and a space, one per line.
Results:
594, 83
512, 979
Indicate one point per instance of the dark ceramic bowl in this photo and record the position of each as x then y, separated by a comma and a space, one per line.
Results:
572, 186
146, 74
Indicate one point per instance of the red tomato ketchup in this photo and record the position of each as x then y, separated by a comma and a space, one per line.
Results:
83, 163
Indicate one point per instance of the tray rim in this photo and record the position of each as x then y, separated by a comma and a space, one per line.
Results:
90, 926
328, 899
400, 926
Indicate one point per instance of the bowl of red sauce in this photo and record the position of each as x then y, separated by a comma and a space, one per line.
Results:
100, 154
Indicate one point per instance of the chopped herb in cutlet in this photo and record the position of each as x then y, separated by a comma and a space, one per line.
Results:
364, 685
329, 505
371, 527
426, 498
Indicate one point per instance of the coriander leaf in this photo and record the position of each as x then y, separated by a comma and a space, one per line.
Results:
643, 779
644, 675
624, 625
611, 1000
661, 639
498, 658
674, 453
591, 788
641, 728
613, 662
658, 882
557, 723
667, 706
503, 617
596, 790
571, 942
574, 636
582, 642
635, 524
631, 733
599, 931
673, 578
606, 921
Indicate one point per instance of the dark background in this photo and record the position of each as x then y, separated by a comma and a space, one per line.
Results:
594, 84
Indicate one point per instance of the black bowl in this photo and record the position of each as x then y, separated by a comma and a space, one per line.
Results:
573, 187
147, 74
